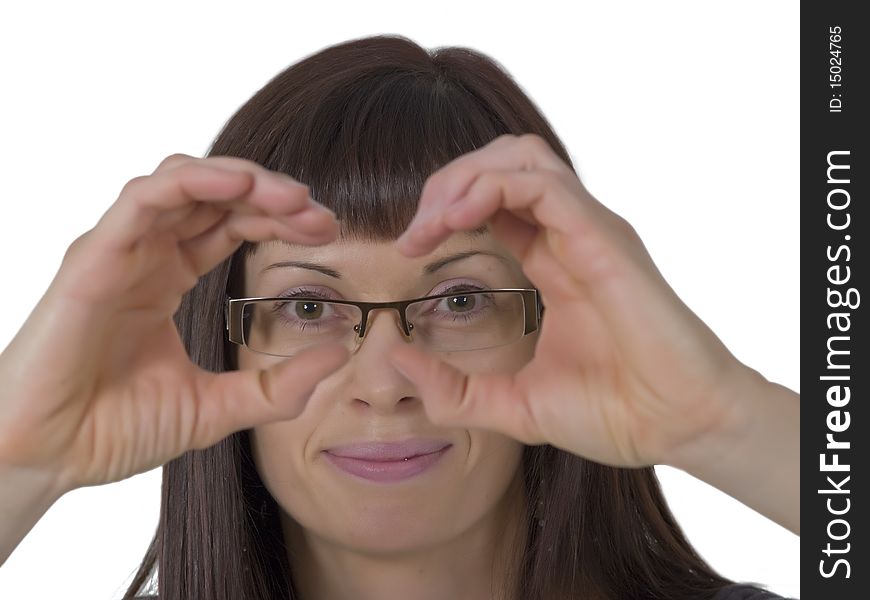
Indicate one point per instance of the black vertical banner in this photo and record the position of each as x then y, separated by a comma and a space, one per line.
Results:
835, 367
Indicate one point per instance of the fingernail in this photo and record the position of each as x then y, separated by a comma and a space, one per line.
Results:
420, 219
406, 234
412, 233
324, 209
288, 181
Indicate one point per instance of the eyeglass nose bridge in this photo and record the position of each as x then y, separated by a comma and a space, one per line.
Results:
366, 308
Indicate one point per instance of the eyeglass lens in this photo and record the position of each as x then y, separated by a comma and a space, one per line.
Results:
467, 321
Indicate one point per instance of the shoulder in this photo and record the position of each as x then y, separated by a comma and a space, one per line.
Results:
743, 591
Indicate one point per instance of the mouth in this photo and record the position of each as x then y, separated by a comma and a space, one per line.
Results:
386, 462
388, 451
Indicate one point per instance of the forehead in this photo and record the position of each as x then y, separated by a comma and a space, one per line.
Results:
371, 264
347, 250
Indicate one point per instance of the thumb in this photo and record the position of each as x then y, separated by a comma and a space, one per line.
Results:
453, 398
235, 400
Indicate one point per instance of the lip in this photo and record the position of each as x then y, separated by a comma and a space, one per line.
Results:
388, 461
382, 451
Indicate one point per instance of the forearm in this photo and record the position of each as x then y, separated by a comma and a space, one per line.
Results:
756, 457
25, 495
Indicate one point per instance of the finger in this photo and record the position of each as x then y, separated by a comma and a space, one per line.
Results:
174, 160
200, 218
527, 152
228, 163
144, 199
516, 234
236, 164
236, 400
196, 218
452, 398
506, 152
177, 220
191, 220
536, 197
311, 227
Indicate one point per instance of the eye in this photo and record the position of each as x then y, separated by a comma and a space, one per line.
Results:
308, 310
302, 312
460, 305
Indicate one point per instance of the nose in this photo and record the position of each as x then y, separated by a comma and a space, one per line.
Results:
376, 384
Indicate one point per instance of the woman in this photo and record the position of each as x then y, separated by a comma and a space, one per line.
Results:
310, 451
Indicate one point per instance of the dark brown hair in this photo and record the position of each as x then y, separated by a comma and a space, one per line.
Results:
363, 123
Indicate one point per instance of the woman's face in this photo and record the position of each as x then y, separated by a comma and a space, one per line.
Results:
368, 400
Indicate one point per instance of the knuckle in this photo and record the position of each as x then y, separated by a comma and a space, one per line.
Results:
173, 160
625, 227
534, 141
236, 161
75, 247
133, 187
506, 138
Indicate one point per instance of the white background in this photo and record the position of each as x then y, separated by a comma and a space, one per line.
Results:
680, 116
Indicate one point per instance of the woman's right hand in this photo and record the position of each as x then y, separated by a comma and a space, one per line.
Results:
96, 386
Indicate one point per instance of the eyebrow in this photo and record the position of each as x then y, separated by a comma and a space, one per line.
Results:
427, 269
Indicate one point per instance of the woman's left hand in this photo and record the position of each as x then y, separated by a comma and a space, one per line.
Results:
623, 372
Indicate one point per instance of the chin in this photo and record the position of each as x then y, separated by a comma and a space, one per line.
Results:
385, 536
389, 526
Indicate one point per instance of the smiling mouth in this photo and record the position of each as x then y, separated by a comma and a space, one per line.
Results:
390, 469
388, 451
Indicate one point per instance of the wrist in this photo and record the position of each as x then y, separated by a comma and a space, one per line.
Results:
25, 496
754, 453
735, 398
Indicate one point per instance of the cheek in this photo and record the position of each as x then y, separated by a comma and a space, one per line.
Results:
278, 448
279, 455
494, 461
502, 359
